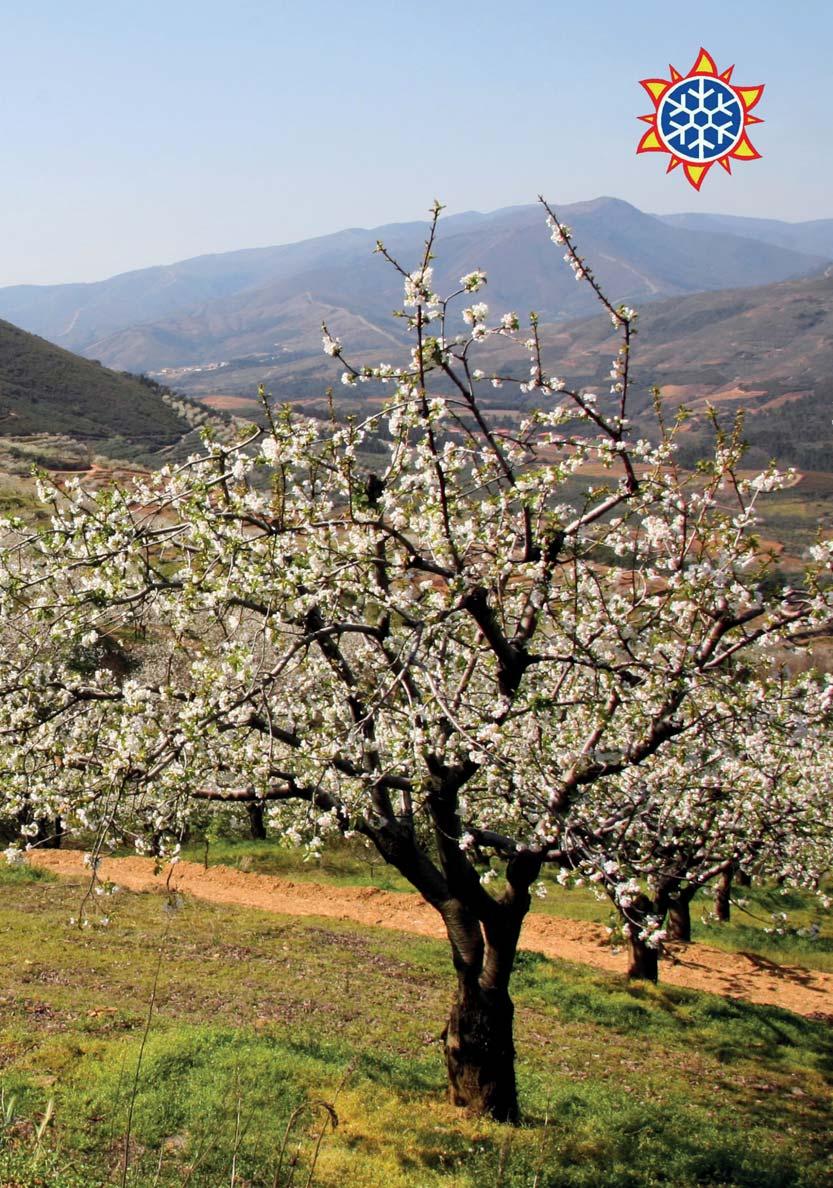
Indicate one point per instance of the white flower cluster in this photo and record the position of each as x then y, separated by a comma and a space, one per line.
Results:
473, 281
624, 313
576, 266
475, 316
652, 934
626, 892
418, 288
560, 232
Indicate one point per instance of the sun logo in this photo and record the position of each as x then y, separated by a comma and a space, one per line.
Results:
700, 119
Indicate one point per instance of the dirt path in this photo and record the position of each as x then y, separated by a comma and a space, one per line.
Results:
737, 975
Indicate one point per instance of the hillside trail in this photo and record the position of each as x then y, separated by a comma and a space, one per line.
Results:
698, 967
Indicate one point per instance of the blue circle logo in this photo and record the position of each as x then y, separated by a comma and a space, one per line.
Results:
700, 119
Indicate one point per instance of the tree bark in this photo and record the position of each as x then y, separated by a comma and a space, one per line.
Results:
49, 834
643, 959
679, 920
674, 902
722, 897
256, 822
478, 1042
643, 962
480, 1053
483, 934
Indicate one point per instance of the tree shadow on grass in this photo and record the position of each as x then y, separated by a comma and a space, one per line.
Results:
733, 1030
728, 1029
406, 1073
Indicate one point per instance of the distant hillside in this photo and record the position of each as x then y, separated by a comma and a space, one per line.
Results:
712, 342
768, 350
814, 237
45, 390
258, 311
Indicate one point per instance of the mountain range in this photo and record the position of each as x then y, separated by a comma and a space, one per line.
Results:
714, 328
225, 322
814, 237
703, 346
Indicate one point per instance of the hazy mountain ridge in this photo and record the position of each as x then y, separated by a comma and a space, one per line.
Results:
814, 237
777, 334
76, 314
768, 348
635, 256
245, 303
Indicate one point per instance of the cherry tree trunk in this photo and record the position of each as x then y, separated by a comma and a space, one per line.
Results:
643, 959
50, 833
722, 897
480, 1053
257, 824
483, 934
679, 920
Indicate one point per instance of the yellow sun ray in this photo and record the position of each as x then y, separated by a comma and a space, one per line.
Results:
750, 95
651, 143
745, 150
704, 64
696, 173
656, 87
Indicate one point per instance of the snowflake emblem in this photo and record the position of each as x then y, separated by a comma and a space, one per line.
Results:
700, 119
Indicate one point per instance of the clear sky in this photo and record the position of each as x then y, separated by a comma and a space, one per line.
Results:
142, 133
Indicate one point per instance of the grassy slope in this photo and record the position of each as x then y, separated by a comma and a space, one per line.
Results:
44, 389
255, 1014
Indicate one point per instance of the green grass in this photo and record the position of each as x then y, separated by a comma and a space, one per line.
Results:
342, 864
256, 1015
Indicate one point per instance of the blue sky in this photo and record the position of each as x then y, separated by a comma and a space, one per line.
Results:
141, 134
